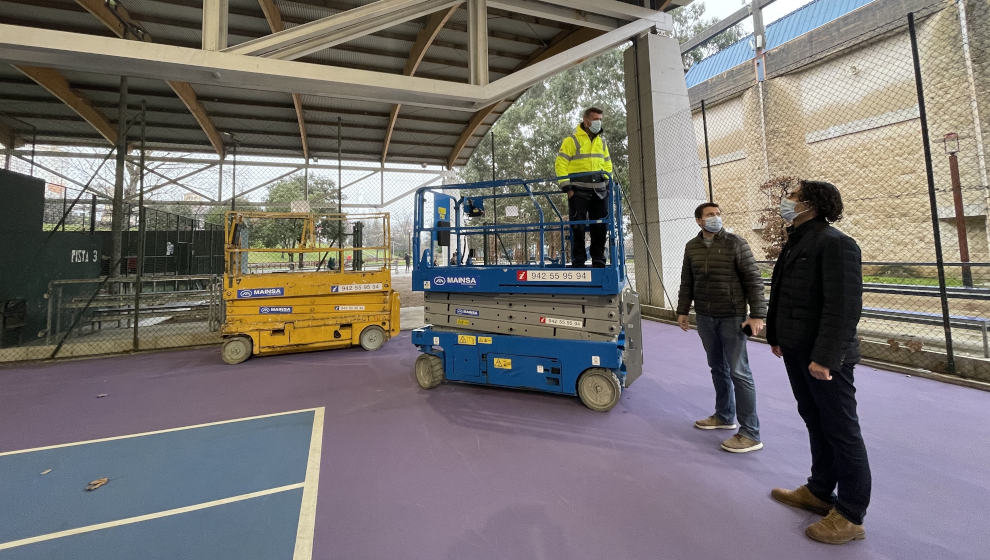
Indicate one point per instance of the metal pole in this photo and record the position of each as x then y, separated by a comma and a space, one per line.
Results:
306, 180
494, 200
967, 272
117, 217
233, 180
949, 357
708, 157
65, 202
220, 181
141, 233
340, 205
92, 214
34, 144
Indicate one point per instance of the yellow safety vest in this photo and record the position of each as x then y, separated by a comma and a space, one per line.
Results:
579, 154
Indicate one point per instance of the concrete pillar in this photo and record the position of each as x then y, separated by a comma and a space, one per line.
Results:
665, 175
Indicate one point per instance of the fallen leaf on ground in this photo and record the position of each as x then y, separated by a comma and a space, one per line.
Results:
97, 483
46, 471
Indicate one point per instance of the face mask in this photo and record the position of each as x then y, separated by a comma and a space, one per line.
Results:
596, 126
787, 210
713, 224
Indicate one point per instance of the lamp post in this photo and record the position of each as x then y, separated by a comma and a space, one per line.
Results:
951, 142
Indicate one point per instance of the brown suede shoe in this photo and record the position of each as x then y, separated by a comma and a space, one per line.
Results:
741, 444
835, 529
801, 498
713, 423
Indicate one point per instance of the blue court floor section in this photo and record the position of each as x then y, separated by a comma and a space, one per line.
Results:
257, 528
153, 473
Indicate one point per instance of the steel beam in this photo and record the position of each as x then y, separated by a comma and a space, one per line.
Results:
275, 23
323, 33
564, 41
57, 85
557, 13
610, 8
90, 53
477, 42
215, 24
205, 161
116, 17
522, 79
719, 27
424, 39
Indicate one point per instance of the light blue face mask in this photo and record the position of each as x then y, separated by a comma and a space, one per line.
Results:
596, 126
788, 210
713, 224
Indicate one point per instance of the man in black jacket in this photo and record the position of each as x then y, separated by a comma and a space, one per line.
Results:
815, 302
720, 276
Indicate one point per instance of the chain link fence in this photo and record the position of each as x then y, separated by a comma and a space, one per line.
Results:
70, 297
850, 115
860, 116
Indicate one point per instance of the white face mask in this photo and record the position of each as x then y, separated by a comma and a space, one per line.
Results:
596, 126
713, 224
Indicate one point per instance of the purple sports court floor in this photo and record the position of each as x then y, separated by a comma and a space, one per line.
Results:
464, 472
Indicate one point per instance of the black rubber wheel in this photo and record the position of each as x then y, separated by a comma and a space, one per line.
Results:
599, 389
236, 349
429, 371
372, 338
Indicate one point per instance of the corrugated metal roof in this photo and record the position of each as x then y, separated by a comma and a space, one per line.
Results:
265, 122
807, 18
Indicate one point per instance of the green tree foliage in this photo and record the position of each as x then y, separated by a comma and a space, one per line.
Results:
287, 233
528, 135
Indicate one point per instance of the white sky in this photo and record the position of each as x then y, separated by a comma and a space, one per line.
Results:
722, 8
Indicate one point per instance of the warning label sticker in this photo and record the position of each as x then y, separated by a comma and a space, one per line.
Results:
484, 340
466, 339
464, 322
503, 363
571, 323
348, 308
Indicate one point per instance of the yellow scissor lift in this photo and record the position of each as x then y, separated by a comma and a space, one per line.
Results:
291, 283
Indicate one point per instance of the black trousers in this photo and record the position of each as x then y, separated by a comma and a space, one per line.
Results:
585, 205
838, 454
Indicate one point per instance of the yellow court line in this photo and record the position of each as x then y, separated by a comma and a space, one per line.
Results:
307, 510
147, 517
160, 431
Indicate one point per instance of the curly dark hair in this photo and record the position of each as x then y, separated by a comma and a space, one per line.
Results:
824, 198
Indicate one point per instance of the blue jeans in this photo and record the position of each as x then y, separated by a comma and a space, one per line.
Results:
735, 393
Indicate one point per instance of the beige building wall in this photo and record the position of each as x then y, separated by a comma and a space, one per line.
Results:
853, 120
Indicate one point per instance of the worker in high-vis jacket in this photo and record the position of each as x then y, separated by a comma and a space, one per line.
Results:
582, 152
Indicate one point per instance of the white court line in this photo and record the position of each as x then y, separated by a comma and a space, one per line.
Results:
165, 431
307, 510
147, 517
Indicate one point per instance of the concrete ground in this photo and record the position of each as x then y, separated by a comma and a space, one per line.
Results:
459, 472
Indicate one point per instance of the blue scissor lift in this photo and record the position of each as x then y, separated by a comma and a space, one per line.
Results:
501, 306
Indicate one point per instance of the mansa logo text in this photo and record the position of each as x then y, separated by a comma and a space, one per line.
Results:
460, 280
